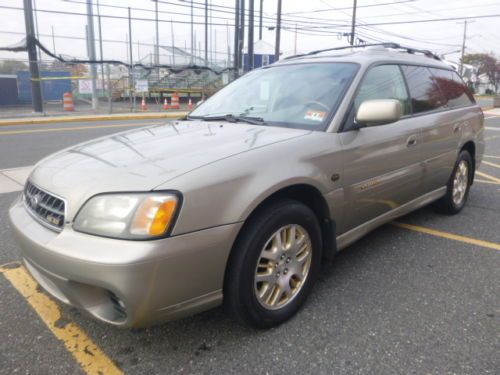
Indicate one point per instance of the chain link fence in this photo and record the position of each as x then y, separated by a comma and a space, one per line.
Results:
119, 89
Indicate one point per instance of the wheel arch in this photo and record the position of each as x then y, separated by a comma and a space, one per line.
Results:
470, 147
310, 196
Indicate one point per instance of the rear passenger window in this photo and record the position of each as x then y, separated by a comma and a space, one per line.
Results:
383, 82
452, 87
424, 91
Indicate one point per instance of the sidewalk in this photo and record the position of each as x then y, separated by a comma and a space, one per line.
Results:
53, 113
492, 112
92, 117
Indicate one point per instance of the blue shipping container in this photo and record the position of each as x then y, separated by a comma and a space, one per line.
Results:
51, 90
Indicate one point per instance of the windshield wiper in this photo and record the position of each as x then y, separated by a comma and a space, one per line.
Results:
232, 118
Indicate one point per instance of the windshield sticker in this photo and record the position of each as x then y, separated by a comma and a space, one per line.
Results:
315, 116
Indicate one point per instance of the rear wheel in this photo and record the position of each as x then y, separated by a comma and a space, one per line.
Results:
458, 186
274, 265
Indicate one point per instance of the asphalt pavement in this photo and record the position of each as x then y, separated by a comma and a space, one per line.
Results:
419, 299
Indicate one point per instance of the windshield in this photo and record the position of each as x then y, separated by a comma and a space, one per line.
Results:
301, 95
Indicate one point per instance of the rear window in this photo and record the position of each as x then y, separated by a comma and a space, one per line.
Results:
424, 91
453, 88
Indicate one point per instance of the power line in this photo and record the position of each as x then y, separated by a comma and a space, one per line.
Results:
418, 21
349, 8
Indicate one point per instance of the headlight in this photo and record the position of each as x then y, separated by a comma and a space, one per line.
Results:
128, 216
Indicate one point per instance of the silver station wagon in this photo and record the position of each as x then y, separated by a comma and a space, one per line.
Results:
241, 201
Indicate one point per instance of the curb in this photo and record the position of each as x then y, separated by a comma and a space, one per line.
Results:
60, 119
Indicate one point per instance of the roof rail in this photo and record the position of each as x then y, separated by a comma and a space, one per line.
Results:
397, 46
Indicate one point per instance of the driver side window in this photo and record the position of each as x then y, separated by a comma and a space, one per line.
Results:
384, 82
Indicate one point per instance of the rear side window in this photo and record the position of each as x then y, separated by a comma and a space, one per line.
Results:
384, 82
424, 91
452, 87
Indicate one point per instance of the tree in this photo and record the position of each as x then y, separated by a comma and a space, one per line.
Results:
12, 67
486, 64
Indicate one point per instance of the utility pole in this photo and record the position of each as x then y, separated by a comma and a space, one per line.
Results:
192, 33
36, 29
463, 47
242, 32
353, 26
53, 41
36, 90
278, 33
93, 68
228, 42
130, 70
236, 37
250, 35
206, 32
295, 42
157, 45
173, 42
100, 44
260, 19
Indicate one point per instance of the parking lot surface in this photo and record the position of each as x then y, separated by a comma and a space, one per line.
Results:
417, 296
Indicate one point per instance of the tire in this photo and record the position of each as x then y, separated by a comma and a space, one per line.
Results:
452, 204
262, 304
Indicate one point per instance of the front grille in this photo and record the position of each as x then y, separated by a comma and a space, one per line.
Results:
45, 207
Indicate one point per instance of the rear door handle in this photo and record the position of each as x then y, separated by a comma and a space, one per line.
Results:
456, 128
411, 141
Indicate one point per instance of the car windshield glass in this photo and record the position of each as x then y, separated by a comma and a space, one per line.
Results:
299, 95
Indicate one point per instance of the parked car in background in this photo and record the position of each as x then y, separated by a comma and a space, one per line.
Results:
242, 200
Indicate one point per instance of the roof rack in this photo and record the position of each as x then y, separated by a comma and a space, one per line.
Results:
397, 46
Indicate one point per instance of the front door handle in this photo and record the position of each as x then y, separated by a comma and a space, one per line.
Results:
411, 141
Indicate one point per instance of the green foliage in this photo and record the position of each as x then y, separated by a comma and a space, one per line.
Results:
486, 64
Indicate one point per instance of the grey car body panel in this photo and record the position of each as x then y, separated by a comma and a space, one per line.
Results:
224, 171
141, 159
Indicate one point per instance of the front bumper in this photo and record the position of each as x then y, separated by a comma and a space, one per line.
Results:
126, 283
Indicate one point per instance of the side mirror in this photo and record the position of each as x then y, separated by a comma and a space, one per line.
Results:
378, 112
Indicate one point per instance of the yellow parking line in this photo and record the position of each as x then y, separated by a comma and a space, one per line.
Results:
12, 132
492, 178
449, 236
492, 156
486, 182
87, 354
491, 164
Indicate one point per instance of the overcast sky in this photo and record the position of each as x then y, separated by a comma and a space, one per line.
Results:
483, 34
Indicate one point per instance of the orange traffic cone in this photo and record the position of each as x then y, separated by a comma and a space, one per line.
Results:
190, 104
165, 104
174, 103
144, 107
68, 102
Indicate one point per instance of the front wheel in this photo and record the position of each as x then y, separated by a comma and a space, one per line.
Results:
274, 264
457, 189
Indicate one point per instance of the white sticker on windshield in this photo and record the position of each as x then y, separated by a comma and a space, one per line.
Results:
315, 116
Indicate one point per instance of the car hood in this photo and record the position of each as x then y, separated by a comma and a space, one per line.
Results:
141, 159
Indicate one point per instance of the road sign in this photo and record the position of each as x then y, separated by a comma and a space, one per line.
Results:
141, 85
85, 86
